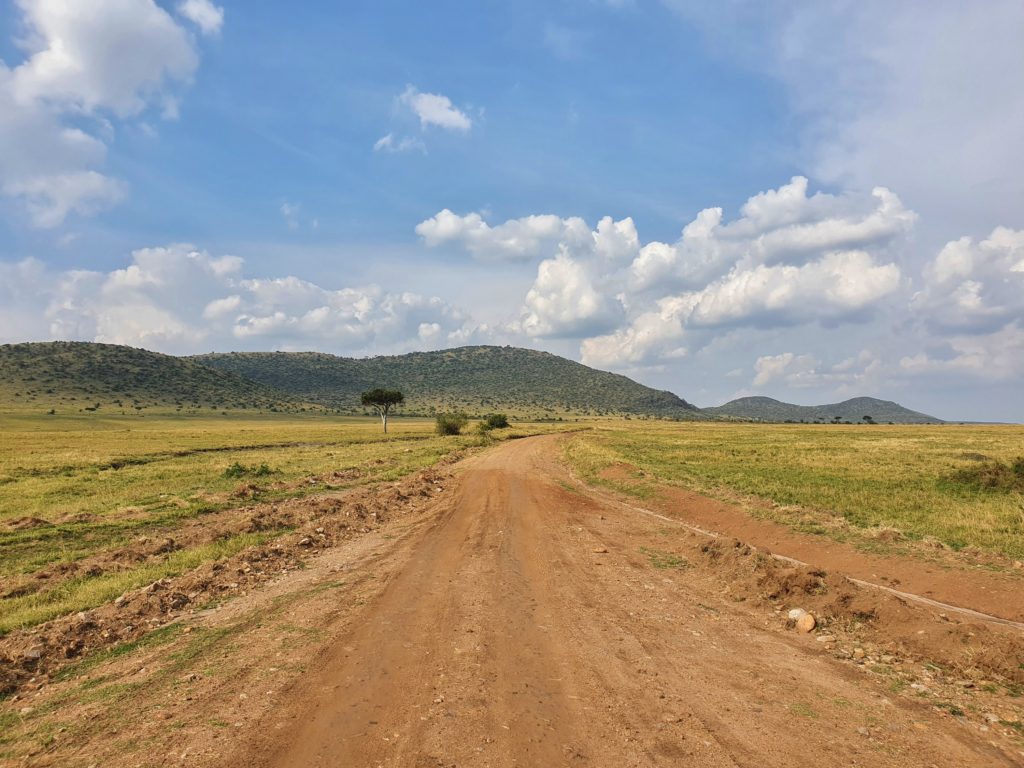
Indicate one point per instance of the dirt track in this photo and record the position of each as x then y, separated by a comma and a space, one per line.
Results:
527, 625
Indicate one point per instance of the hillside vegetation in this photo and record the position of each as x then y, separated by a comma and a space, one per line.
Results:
852, 411
475, 379
77, 376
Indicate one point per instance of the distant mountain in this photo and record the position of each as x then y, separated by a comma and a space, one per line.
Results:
77, 376
474, 379
86, 376
854, 410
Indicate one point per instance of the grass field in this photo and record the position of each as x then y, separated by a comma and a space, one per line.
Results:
76, 486
79, 487
924, 481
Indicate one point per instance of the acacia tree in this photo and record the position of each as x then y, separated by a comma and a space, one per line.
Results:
383, 400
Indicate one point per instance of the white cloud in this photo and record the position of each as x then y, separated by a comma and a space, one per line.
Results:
789, 258
805, 371
435, 109
836, 287
649, 337
517, 239
390, 143
923, 98
50, 199
564, 301
997, 356
974, 287
84, 64
772, 367
204, 14
180, 300
782, 226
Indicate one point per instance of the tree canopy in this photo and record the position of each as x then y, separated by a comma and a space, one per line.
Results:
383, 400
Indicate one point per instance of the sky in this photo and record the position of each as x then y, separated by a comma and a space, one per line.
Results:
808, 201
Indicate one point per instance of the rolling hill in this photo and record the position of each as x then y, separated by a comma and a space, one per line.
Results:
475, 379
854, 411
87, 376
84, 376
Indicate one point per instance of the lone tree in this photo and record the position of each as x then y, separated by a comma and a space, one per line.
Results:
383, 400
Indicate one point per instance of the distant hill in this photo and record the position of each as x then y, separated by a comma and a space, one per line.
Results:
81, 376
474, 379
854, 410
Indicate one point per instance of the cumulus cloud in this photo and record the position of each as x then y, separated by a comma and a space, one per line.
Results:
840, 286
516, 240
564, 301
782, 226
789, 258
435, 109
974, 287
204, 14
84, 65
180, 300
836, 287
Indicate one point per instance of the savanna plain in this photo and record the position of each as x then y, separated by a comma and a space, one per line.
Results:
302, 589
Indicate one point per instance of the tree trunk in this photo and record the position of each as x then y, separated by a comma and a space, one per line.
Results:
384, 420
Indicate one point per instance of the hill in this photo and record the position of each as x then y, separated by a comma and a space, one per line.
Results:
474, 379
86, 376
854, 411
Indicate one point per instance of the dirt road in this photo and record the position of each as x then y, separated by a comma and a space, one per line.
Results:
533, 624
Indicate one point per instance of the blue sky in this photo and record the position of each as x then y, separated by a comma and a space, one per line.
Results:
366, 178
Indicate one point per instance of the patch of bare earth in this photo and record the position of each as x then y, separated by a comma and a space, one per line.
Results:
506, 620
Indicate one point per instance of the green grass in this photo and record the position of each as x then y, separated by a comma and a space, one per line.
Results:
95, 482
102, 480
81, 594
903, 477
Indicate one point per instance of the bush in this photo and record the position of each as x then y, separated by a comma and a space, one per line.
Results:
451, 423
494, 421
994, 474
240, 470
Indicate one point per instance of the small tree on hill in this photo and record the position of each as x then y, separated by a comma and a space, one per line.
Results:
382, 401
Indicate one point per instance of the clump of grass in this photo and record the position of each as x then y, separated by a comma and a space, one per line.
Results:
803, 710
994, 474
664, 560
237, 470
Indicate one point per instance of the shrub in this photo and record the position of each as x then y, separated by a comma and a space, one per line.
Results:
994, 474
451, 423
494, 421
